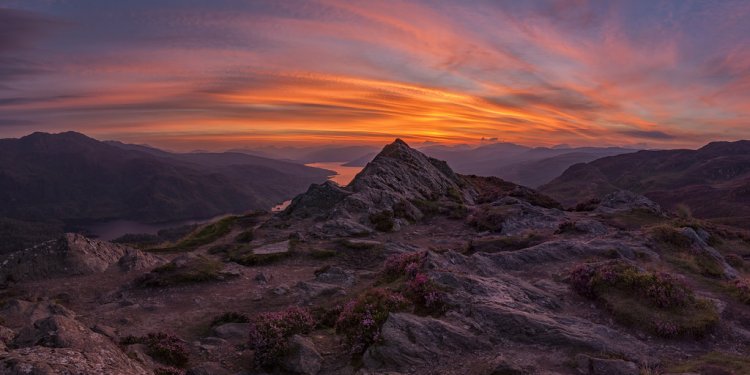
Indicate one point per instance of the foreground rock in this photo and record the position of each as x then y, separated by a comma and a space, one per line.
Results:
72, 255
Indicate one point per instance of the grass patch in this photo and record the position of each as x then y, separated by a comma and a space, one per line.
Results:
203, 235
677, 250
246, 236
714, 363
193, 270
654, 302
244, 255
634, 219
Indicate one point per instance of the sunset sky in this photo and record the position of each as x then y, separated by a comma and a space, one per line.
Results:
216, 74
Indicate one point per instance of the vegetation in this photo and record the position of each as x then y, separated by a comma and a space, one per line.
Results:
322, 254
270, 333
246, 236
634, 219
714, 363
193, 270
229, 317
740, 289
588, 205
164, 348
204, 235
490, 218
383, 220
361, 319
244, 255
677, 249
656, 302
415, 285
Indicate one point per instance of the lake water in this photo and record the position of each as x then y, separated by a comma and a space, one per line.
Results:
110, 230
344, 175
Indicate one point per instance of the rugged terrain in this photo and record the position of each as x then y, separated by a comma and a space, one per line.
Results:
713, 181
411, 269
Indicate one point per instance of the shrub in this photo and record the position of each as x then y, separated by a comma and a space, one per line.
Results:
383, 221
740, 288
245, 237
568, 227
229, 317
270, 333
588, 205
326, 317
656, 301
162, 347
400, 265
425, 294
361, 319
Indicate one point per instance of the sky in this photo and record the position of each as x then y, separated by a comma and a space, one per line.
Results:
216, 74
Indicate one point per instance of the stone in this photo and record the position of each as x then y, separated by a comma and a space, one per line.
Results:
302, 358
274, 248
208, 368
235, 332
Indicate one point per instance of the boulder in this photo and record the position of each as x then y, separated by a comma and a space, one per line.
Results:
235, 332
302, 357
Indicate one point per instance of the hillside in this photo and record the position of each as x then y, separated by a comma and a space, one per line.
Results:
410, 269
712, 181
69, 177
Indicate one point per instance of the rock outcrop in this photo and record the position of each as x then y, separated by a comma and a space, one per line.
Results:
72, 255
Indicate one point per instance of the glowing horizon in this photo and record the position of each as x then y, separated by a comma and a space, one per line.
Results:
224, 74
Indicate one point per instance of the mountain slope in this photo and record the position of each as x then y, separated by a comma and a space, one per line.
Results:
713, 181
71, 177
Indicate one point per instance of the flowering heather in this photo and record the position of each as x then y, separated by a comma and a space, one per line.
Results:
270, 332
659, 289
654, 301
403, 265
425, 294
163, 347
361, 319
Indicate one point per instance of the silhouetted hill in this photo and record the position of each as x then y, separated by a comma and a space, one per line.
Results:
72, 177
714, 181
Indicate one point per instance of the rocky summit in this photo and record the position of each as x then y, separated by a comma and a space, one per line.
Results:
409, 269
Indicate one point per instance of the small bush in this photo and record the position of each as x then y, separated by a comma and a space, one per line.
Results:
270, 333
326, 317
383, 221
229, 317
400, 265
740, 289
588, 205
246, 236
361, 319
425, 294
164, 348
654, 301
204, 235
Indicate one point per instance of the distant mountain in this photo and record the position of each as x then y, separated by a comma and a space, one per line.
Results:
713, 181
313, 154
519, 164
71, 177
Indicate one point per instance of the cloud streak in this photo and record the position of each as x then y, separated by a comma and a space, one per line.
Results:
227, 73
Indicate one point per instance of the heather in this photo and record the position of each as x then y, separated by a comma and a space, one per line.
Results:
654, 301
270, 333
361, 319
164, 348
